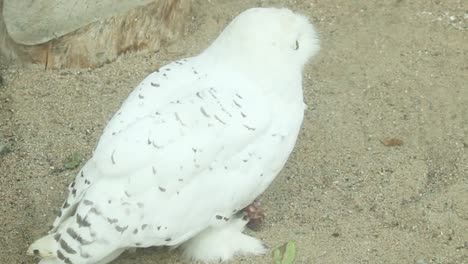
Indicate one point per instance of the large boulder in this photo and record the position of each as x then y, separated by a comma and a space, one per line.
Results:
85, 33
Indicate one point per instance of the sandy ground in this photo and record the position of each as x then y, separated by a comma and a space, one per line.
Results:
387, 69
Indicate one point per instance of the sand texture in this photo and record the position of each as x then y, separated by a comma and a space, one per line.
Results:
380, 170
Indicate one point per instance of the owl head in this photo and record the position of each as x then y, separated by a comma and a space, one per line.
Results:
270, 37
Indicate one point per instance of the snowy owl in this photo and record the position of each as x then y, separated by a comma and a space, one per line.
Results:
193, 145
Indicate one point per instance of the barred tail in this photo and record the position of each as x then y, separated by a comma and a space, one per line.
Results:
44, 247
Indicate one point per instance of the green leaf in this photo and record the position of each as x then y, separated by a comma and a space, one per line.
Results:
73, 161
290, 254
4, 149
285, 254
277, 256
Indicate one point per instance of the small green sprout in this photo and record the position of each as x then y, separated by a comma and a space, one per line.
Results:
285, 254
73, 161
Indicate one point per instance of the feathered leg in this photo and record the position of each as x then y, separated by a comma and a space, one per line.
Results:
222, 243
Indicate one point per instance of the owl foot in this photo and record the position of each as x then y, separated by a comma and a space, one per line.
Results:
254, 214
222, 243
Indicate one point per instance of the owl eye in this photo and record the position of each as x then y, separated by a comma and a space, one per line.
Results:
297, 45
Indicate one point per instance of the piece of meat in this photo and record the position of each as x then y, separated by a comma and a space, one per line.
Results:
255, 214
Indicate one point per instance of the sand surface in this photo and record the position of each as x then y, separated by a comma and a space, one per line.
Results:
387, 70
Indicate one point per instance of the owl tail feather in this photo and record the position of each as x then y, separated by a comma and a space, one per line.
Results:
44, 247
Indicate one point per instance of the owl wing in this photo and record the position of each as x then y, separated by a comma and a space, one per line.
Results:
171, 152
160, 88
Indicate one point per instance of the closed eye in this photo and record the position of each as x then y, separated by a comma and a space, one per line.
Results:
297, 45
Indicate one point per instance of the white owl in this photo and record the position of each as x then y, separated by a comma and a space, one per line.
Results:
195, 143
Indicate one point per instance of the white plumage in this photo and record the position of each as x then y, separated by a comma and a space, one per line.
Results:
194, 143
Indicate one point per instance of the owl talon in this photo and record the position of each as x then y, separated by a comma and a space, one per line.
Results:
255, 215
